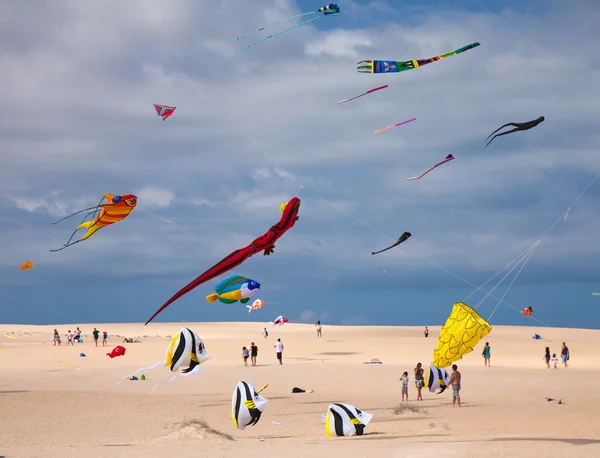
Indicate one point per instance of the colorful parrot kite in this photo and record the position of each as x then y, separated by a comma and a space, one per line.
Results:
247, 405
328, 10
448, 159
394, 125
234, 289
403, 238
280, 320
264, 243
117, 351
27, 265
346, 420
257, 304
116, 209
186, 349
164, 111
436, 378
364, 93
392, 66
464, 328
518, 126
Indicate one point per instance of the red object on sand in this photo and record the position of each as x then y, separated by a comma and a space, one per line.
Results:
117, 351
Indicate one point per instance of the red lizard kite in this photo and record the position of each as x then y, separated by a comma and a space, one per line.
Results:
265, 243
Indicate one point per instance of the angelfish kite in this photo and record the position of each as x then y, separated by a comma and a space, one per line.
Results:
403, 238
264, 243
392, 66
332, 9
448, 158
116, 209
518, 126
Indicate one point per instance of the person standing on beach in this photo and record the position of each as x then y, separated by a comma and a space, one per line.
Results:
555, 360
487, 354
70, 336
547, 357
455, 382
564, 353
404, 380
279, 349
419, 381
56, 338
245, 355
253, 353
426, 332
78, 334
104, 337
265, 333
96, 333
318, 325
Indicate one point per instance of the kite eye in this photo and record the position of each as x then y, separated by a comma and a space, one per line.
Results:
116, 198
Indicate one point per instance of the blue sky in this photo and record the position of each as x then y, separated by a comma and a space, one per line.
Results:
78, 83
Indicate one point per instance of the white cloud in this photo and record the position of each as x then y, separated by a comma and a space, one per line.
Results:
153, 197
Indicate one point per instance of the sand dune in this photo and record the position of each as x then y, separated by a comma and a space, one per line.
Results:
52, 401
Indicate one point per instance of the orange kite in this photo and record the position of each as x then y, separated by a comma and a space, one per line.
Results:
27, 265
114, 210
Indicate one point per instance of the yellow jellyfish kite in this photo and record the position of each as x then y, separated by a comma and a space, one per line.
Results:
464, 328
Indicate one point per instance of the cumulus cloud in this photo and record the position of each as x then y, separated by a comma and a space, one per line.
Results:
153, 197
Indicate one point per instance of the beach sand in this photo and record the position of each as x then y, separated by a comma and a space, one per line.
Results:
49, 409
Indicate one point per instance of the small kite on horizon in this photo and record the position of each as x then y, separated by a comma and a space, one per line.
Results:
448, 159
403, 238
164, 111
518, 126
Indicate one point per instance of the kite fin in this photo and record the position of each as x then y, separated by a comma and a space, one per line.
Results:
212, 297
249, 308
245, 300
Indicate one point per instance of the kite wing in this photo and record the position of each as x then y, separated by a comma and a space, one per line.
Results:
464, 328
265, 243
164, 111
378, 88
26, 265
247, 405
448, 159
436, 378
392, 66
403, 238
346, 420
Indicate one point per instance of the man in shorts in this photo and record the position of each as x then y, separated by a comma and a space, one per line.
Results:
279, 349
455, 382
96, 333
564, 353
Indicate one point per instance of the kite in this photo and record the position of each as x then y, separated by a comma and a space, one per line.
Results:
436, 378
116, 209
364, 93
257, 304
464, 328
328, 10
518, 126
247, 405
448, 159
346, 420
186, 349
595, 294
27, 265
527, 312
280, 320
403, 238
394, 125
264, 243
233, 289
392, 66
117, 351
164, 111
11, 337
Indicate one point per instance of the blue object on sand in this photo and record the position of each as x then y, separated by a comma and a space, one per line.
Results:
82, 355
537, 337
133, 378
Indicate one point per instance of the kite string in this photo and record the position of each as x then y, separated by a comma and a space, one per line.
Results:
268, 26
278, 33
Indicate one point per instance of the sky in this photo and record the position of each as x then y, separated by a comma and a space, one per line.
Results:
254, 128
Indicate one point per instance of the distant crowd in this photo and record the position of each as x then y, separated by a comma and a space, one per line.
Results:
75, 336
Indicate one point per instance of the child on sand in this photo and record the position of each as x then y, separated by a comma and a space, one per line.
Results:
245, 355
555, 360
404, 380
104, 337
547, 357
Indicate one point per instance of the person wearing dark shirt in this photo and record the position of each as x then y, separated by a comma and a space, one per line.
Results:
96, 334
253, 353
564, 353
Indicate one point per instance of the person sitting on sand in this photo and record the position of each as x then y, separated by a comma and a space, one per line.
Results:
78, 334
419, 381
127, 340
404, 380
547, 357
455, 383
555, 360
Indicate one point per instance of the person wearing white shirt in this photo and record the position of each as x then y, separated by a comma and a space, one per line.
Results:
279, 349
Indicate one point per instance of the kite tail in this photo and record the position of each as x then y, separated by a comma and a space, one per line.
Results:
279, 33
194, 371
160, 363
249, 308
212, 297
91, 226
268, 26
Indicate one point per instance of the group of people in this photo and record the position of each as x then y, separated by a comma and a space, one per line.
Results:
75, 336
252, 354
564, 355
454, 382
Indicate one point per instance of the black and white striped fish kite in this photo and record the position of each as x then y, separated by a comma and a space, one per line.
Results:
185, 349
247, 405
436, 378
346, 420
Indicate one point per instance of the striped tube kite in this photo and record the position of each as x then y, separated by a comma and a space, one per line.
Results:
346, 420
247, 405
464, 328
186, 349
332, 9
436, 379
449, 158
116, 209
392, 66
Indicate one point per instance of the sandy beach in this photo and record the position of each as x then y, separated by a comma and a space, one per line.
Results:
54, 402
